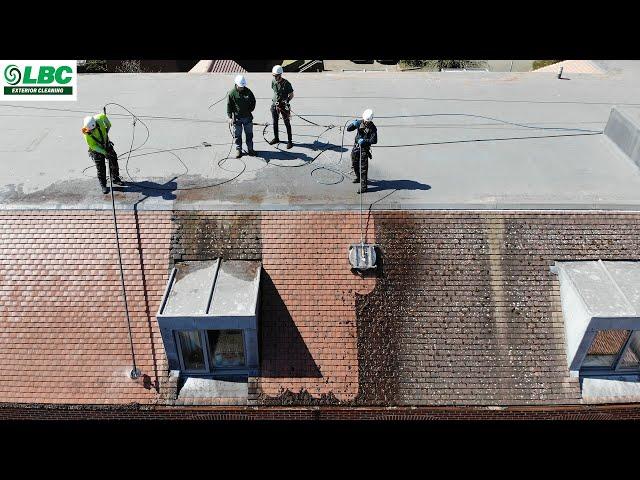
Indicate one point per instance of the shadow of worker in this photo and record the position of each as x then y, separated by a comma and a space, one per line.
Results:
283, 351
150, 189
381, 185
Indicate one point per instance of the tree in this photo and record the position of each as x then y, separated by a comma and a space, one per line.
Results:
129, 66
438, 65
95, 66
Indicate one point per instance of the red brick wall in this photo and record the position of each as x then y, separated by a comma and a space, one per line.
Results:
67, 412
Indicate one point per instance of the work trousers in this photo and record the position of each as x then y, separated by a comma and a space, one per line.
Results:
99, 160
247, 124
355, 162
286, 117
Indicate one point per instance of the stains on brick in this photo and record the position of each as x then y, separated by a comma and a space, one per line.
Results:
206, 236
301, 398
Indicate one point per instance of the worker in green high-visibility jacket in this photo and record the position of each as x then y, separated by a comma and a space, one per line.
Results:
96, 132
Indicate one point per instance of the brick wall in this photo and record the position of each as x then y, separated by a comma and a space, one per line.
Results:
138, 412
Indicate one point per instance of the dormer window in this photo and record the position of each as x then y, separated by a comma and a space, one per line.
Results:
601, 309
208, 318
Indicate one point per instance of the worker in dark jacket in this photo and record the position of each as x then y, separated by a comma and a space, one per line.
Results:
366, 135
282, 95
96, 132
240, 103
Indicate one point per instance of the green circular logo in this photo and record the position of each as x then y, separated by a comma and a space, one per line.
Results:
12, 74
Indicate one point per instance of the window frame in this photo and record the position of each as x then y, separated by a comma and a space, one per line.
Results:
207, 368
615, 368
231, 369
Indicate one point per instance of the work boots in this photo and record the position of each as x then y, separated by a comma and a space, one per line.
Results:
363, 187
289, 135
105, 190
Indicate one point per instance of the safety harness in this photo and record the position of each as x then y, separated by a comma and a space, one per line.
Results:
103, 143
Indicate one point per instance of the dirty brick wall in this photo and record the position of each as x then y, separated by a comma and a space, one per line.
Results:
139, 412
63, 331
467, 311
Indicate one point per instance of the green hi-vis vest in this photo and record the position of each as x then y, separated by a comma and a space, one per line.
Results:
98, 138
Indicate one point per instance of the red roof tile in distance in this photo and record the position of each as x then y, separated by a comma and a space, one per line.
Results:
226, 66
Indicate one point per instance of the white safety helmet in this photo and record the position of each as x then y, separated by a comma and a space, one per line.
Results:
241, 81
88, 124
367, 115
277, 70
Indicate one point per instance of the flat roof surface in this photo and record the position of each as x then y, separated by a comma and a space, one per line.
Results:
609, 288
471, 158
236, 290
232, 285
191, 288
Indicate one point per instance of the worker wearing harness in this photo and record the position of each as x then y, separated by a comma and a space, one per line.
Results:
282, 95
366, 135
240, 103
96, 133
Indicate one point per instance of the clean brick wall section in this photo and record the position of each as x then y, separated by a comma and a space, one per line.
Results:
63, 333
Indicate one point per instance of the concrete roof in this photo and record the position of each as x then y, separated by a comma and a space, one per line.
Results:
470, 162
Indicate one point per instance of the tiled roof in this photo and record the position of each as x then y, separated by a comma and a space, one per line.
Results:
464, 311
226, 66
63, 331
217, 66
572, 66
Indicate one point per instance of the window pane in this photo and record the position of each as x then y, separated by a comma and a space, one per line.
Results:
605, 348
631, 356
192, 354
226, 347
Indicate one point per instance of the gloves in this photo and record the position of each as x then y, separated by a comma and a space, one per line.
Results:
360, 141
356, 123
230, 121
